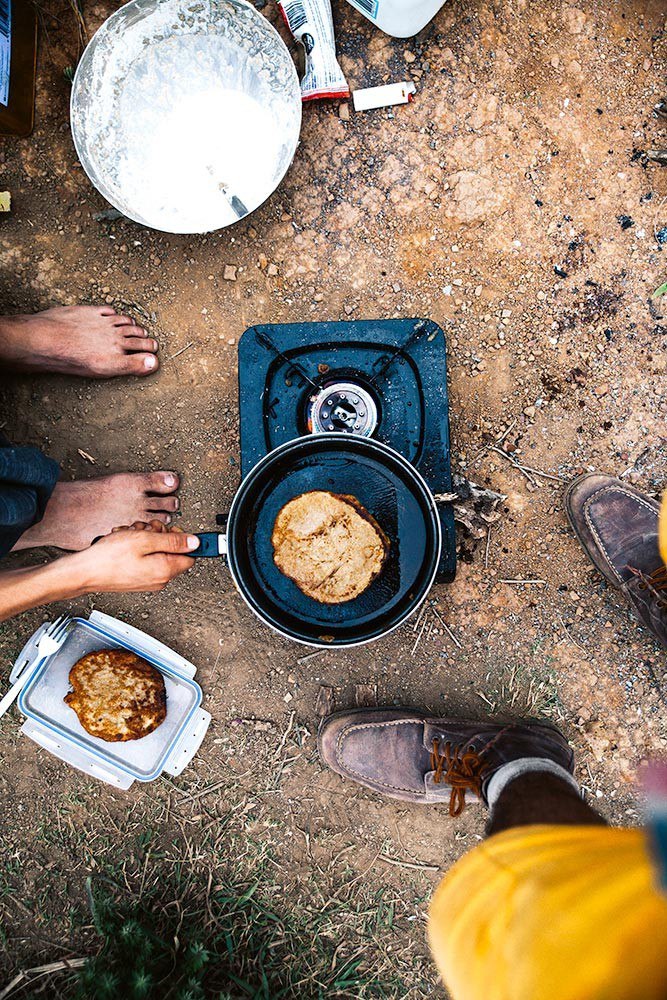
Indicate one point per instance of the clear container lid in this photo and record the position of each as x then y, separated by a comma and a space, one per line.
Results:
42, 699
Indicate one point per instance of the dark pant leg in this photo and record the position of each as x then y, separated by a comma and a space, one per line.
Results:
27, 479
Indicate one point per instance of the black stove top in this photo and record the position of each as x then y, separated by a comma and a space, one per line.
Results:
381, 378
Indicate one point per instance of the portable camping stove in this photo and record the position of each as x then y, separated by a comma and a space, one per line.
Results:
381, 378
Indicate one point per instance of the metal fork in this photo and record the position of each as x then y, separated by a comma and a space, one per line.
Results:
54, 636
47, 645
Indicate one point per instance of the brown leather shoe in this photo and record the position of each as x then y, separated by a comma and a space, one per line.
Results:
618, 527
406, 755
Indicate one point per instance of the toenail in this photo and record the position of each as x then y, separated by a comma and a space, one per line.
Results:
169, 479
150, 362
154, 343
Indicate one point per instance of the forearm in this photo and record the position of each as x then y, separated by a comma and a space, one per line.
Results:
21, 589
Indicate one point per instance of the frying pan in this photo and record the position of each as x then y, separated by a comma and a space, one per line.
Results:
390, 489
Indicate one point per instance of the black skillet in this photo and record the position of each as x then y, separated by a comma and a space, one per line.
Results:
390, 489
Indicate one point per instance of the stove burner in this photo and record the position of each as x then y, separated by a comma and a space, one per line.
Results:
388, 376
345, 407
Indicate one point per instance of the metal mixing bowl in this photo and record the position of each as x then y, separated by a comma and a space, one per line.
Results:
186, 113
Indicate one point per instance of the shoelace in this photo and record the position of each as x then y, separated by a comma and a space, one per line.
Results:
655, 583
462, 768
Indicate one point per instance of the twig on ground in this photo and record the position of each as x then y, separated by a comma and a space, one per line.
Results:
408, 864
285, 735
514, 464
182, 351
486, 447
445, 626
527, 470
309, 656
204, 791
505, 433
418, 639
570, 636
217, 659
29, 975
491, 704
419, 618
486, 551
523, 581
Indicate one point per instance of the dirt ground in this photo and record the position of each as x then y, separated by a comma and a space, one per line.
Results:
522, 153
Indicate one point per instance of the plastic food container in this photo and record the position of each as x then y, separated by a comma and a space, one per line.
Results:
52, 724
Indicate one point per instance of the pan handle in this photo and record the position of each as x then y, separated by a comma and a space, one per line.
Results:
212, 544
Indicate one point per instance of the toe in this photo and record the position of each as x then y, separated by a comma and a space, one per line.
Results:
162, 518
169, 503
122, 320
139, 343
105, 310
161, 482
139, 364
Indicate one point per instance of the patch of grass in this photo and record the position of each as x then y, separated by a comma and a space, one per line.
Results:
525, 691
165, 916
235, 940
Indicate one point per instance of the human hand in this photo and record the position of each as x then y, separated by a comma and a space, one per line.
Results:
137, 557
153, 525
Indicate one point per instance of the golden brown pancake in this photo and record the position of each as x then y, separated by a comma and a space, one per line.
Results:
329, 545
117, 695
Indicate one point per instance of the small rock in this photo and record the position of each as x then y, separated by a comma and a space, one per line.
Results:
601, 390
272, 270
530, 411
625, 221
229, 274
344, 112
409, 57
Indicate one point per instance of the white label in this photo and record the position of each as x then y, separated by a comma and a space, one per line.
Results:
367, 7
311, 23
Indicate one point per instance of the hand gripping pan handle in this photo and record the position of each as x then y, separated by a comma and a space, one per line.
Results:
211, 545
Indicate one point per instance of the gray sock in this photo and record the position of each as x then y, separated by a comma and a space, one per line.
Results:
524, 765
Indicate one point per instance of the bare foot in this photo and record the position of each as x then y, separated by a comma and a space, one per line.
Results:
80, 511
77, 340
